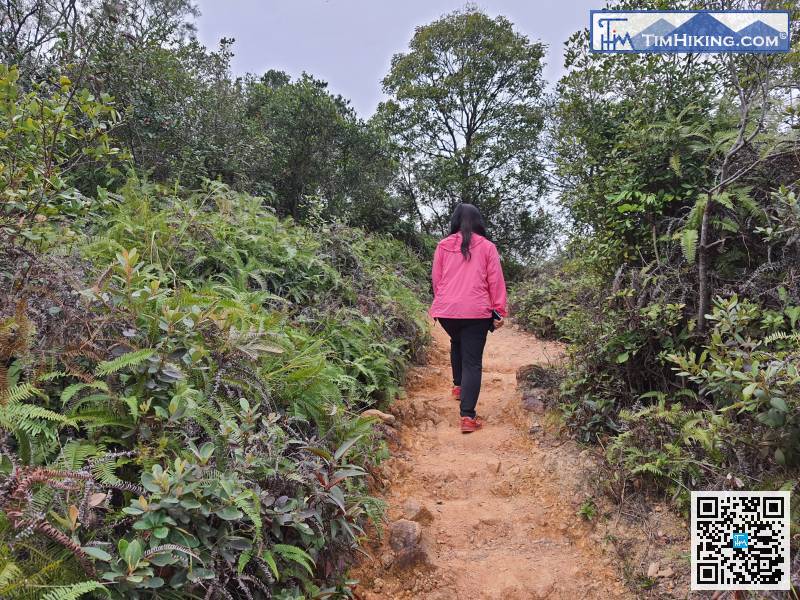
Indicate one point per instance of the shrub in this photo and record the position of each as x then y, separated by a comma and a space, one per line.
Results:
676, 410
748, 371
669, 446
551, 301
181, 382
48, 132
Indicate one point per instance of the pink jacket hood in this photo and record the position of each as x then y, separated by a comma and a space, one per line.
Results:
467, 289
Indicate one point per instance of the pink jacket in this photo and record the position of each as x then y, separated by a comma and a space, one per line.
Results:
467, 289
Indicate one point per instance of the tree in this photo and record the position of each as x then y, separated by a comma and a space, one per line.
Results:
47, 135
184, 117
623, 146
322, 156
41, 34
652, 149
178, 103
466, 113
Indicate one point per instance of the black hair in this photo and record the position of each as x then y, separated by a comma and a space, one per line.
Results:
468, 220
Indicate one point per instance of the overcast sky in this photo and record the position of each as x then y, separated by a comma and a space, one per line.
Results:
350, 43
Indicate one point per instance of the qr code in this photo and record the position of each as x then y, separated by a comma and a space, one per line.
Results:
740, 540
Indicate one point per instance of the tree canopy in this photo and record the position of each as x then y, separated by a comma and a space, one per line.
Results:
466, 113
678, 291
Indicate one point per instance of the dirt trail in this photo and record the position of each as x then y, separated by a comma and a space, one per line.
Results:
503, 504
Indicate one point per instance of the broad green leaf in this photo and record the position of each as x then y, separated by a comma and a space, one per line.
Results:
345, 447
97, 553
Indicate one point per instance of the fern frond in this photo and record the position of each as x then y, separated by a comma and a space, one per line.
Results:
689, 244
696, 214
9, 573
750, 205
649, 468
41, 500
130, 359
103, 471
28, 418
75, 454
74, 591
249, 503
71, 390
20, 393
781, 335
51, 376
724, 198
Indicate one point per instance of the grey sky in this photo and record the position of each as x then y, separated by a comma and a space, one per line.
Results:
350, 43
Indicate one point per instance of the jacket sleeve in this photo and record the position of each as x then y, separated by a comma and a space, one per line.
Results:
436, 273
497, 283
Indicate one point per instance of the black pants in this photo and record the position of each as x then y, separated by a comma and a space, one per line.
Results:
467, 339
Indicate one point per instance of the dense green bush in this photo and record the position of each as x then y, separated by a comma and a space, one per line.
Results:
677, 289
551, 300
181, 377
744, 388
48, 132
180, 410
180, 114
669, 402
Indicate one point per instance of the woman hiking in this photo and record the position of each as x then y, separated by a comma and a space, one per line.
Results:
469, 300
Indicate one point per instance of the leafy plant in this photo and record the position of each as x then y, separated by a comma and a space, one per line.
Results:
209, 446
587, 510
49, 130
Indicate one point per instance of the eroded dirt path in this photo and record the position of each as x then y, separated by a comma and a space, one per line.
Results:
503, 504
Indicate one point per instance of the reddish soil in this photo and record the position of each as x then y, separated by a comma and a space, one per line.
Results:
503, 501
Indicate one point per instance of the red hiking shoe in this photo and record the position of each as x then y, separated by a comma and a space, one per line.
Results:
457, 393
468, 424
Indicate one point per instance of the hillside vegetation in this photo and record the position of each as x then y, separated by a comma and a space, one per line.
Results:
181, 375
206, 279
677, 289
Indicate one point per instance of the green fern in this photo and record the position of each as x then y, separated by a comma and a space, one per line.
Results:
9, 573
71, 390
750, 205
131, 359
696, 214
21, 392
40, 563
101, 417
29, 424
22, 416
649, 468
782, 336
249, 503
675, 163
104, 470
41, 500
51, 376
74, 591
75, 454
689, 244
295, 555
724, 198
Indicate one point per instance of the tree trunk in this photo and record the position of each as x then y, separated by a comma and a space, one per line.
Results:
703, 283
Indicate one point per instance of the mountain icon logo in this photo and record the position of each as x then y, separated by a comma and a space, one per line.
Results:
689, 31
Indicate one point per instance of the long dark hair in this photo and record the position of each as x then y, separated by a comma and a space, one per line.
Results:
468, 220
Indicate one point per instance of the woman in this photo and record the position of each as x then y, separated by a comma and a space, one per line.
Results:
469, 300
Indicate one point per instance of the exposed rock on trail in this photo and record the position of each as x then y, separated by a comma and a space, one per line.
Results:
405, 538
501, 519
375, 413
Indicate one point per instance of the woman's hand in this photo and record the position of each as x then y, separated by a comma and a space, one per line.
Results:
498, 323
